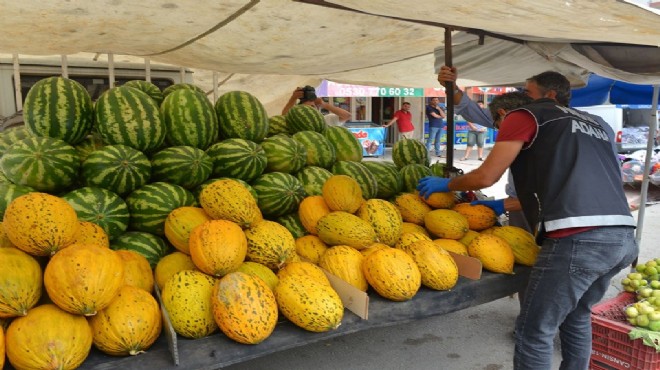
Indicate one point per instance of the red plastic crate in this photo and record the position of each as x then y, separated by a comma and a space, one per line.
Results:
611, 346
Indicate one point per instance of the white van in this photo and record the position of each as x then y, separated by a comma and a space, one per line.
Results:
93, 74
630, 124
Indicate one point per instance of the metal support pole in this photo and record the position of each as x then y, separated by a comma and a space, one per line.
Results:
17, 83
65, 66
215, 86
147, 69
449, 91
111, 70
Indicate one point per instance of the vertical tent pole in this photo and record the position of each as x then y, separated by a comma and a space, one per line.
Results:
215, 86
111, 70
17, 83
182, 74
65, 66
647, 166
449, 91
147, 69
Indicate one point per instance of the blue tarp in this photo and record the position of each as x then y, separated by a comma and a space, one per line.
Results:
599, 88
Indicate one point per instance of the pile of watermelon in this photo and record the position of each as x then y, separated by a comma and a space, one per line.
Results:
127, 160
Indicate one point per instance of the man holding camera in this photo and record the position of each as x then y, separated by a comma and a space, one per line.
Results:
307, 95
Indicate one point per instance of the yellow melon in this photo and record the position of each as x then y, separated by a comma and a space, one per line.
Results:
494, 253
310, 210
479, 216
346, 263
441, 200
170, 265
412, 208
342, 193
309, 304
20, 282
91, 233
438, 269
392, 273
260, 271
180, 223
137, 271
311, 248
187, 298
452, 245
218, 247
446, 224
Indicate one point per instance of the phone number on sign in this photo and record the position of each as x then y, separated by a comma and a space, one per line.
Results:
399, 91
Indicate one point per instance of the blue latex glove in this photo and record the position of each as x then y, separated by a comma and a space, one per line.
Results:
432, 184
496, 205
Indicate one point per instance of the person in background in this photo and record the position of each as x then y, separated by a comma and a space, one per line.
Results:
403, 119
569, 184
307, 95
476, 135
435, 114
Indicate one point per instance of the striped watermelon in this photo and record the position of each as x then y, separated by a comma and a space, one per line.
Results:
293, 224
172, 88
284, 154
407, 151
118, 168
304, 117
148, 88
151, 246
181, 165
60, 108
312, 179
12, 135
3, 178
320, 151
198, 190
347, 146
388, 178
150, 205
411, 174
102, 207
190, 119
128, 116
278, 193
237, 158
277, 125
42, 163
9, 192
90, 144
361, 174
241, 115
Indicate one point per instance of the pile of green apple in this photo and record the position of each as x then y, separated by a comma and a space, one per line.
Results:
645, 282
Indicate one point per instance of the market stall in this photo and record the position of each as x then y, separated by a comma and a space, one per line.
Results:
218, 351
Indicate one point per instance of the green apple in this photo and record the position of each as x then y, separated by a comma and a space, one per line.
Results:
632, 321
645, 292
655, 284
656, 293
654, 316
640, 268
625, 281
631, 312
634, 276
629, 288
651, 263
654, 325
642, 320
650, 271
646, 309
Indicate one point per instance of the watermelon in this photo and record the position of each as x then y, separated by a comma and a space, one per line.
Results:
198, 190
152, 247
12, 135
312, 179
241, 115
361, 174
9, 192
150, 205
438, 168
388, 178
43, 163
60, 108
190, 119
90, 144
407, 151
186, 86
320, 151
181, 165
277, 125
128, 116
293, 224
237, 158
102, 207
4, 179
118, 168
411, 174
278, 194
304, 117
284, 154
347, 146
148, 88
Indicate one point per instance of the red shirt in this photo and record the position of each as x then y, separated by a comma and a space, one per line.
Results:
404, 120
520, 125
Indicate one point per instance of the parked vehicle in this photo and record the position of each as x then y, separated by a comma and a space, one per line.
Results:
630, 124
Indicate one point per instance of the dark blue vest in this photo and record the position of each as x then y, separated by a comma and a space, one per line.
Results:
568, 176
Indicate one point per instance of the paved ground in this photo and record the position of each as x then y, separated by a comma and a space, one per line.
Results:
478, 338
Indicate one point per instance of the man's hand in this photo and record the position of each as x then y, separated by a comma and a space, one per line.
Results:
496, 205
432, 184
447, 74
297, 93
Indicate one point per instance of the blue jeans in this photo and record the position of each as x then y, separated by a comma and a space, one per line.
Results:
571, 274
434, 137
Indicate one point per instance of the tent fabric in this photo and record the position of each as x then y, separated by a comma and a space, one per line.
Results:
269, 47
601, 90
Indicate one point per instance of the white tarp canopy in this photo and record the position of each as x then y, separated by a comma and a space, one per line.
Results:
268, 47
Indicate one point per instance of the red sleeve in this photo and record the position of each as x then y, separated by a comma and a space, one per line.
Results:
518, 125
